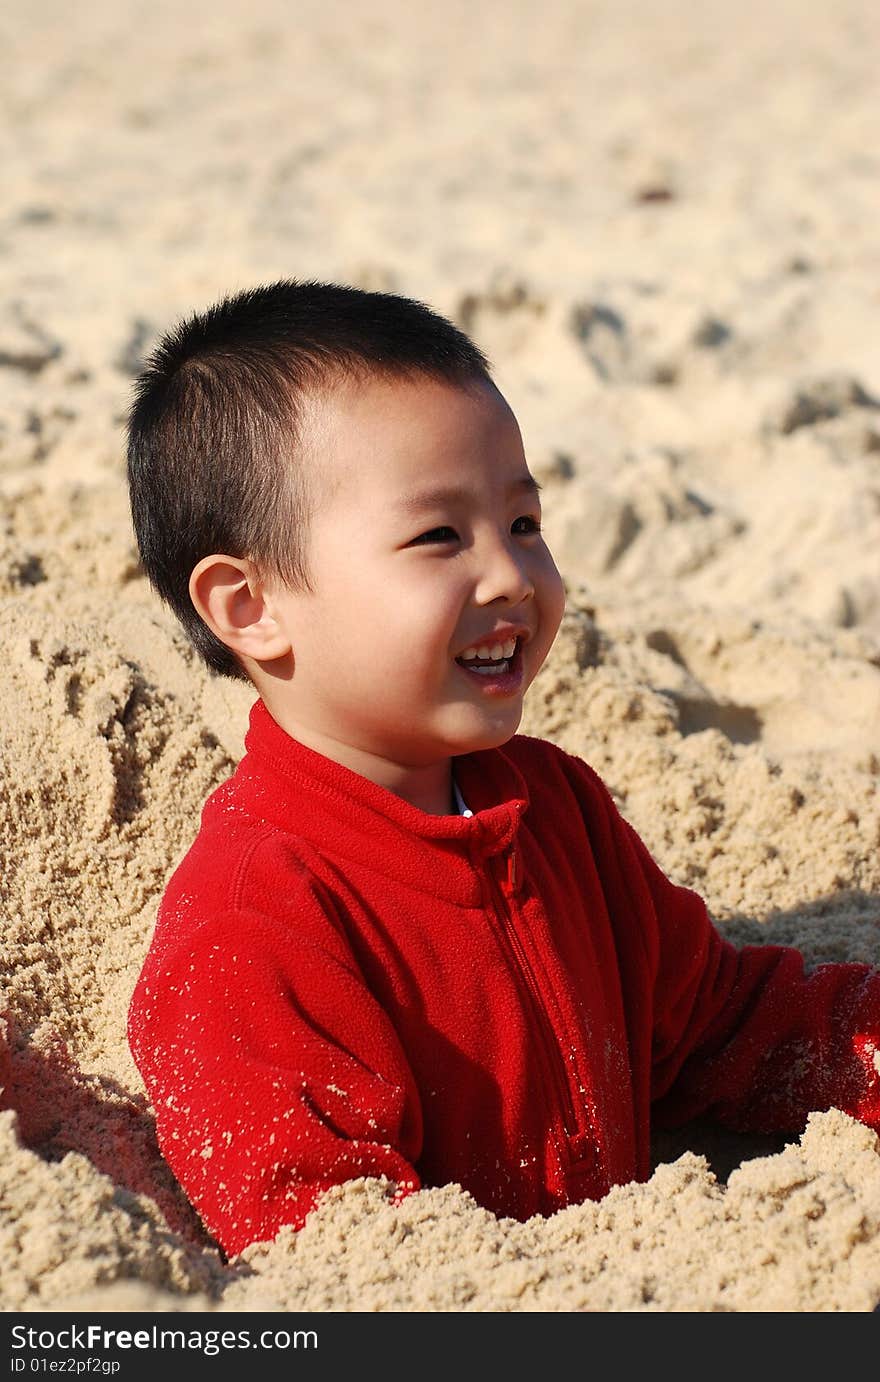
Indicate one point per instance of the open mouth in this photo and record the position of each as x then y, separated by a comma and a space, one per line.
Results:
497, 668
490, 660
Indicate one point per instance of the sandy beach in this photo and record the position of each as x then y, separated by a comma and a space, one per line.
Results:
660, 223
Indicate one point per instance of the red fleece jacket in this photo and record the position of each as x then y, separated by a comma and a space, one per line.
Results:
341, 985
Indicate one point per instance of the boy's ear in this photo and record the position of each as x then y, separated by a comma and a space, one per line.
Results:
229, 596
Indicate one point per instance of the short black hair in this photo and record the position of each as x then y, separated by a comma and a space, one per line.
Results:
213, 429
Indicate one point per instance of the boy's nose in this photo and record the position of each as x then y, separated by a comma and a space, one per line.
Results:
504, 575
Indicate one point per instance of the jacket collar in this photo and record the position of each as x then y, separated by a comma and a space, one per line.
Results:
344, 813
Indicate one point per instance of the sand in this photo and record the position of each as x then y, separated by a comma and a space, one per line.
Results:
661, 224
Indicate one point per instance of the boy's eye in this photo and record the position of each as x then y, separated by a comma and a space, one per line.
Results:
437, 535
447, 534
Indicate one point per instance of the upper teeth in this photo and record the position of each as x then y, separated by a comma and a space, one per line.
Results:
496, 650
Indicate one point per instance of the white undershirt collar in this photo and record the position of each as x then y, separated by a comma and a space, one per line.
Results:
459, 800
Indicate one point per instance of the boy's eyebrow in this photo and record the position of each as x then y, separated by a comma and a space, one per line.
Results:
423, 499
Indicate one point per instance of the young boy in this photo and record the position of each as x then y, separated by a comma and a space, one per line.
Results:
408, 942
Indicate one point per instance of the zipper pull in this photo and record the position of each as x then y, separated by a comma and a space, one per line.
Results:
513, 871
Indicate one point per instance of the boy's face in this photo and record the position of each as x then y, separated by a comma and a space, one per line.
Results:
406, 579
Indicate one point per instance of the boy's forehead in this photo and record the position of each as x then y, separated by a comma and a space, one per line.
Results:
360, 427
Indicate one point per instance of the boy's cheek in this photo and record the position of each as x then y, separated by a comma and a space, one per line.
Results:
558, 608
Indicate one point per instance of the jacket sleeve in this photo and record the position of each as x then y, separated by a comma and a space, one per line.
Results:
273, 1071
748, 1036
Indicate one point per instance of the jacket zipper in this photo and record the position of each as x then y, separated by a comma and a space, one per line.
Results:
542, 1024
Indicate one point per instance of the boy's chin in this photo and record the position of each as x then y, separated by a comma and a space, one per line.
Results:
489, 737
